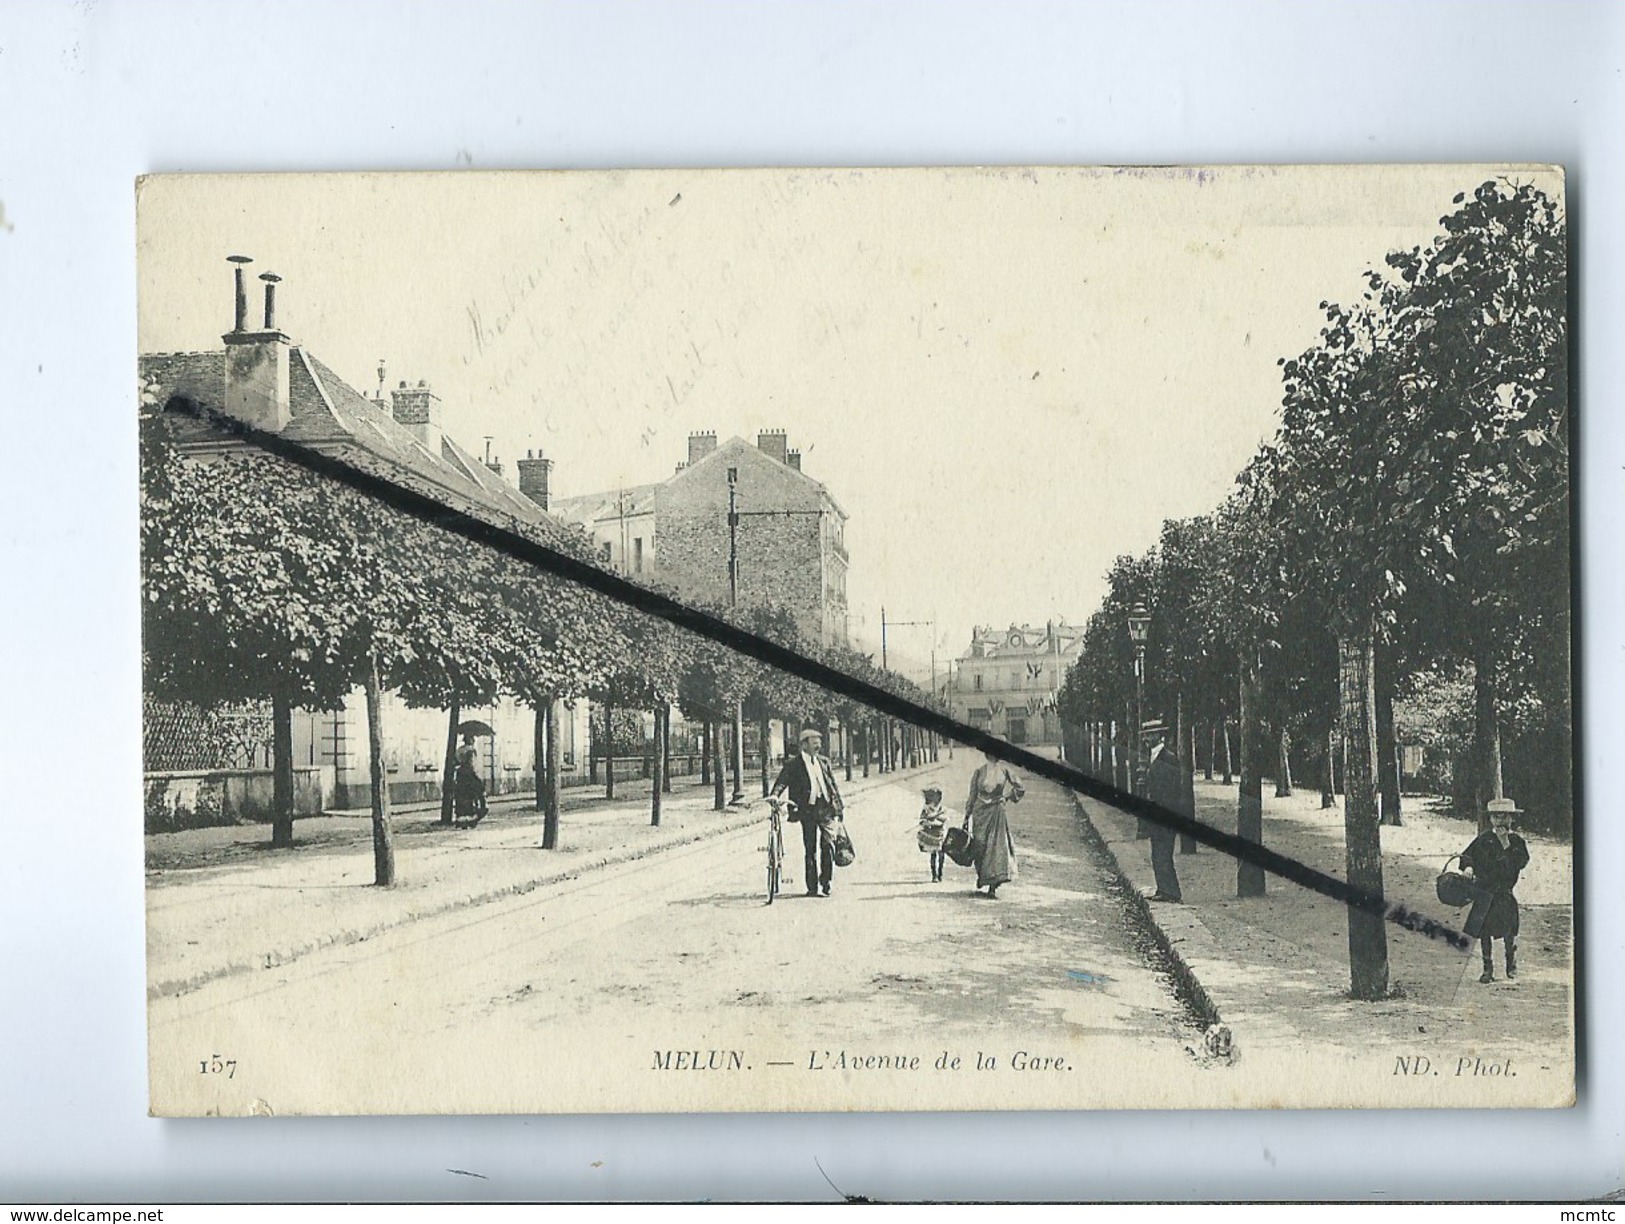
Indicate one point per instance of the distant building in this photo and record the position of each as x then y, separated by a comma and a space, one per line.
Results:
790, 539
1006, 682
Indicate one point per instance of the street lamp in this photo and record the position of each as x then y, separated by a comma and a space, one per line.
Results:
1139, 628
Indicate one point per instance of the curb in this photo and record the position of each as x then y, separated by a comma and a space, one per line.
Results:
1187, 986
341, 939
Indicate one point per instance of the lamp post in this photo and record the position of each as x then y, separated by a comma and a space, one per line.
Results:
1139, 628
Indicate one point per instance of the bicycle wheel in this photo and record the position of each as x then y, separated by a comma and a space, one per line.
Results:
774, 847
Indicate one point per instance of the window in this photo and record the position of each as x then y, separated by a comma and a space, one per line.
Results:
637, 554
976, 682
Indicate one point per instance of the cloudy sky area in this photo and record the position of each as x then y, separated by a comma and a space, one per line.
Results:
1005, 377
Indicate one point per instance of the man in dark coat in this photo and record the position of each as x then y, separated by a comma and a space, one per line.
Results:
811, 784
1165, 786
1495, 859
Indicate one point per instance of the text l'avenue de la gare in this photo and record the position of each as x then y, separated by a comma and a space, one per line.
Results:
851, 1060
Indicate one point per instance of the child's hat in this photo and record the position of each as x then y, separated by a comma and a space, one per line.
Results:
929, 791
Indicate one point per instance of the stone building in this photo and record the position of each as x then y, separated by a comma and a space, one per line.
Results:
790, 536
1007, 680
263, 377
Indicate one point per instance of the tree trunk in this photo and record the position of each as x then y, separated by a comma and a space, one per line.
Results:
281, 770
1250, 799
1387, 747
865, 734
538, 748
846, 744
738, 761
448, 779
383, 832
1183, 746
719, 780
1368, 935
657, 791
1229, 764
555, 780
1328, 779
1114, 742
705, 752
1212, 747
1187, 843
1487, 783
1283, 766
665, 740
609, 751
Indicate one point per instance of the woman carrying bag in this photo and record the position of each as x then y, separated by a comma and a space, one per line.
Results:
991, 788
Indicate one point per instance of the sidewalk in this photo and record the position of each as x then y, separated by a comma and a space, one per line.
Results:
1276, 967
222, 901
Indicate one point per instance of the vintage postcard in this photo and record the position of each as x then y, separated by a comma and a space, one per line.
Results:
1242, 490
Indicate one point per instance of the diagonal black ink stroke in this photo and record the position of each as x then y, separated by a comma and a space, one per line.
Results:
764, 650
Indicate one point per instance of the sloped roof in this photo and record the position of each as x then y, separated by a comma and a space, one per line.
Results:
737, 445
1020, 640
590, 508
327, 412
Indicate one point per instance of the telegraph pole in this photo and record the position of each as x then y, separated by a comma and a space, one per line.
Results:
734, 515
909, 624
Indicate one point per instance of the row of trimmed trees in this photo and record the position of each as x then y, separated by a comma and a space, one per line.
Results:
1408, 523
264, 582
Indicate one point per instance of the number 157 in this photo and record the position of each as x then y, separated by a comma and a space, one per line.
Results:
214, 1065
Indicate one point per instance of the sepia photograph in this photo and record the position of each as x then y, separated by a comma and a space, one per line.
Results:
1213, 522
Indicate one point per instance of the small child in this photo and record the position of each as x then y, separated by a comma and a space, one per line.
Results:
933, 828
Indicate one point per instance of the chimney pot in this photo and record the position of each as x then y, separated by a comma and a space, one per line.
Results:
534, 477
270, 279
240, 318
772, 443
700, 444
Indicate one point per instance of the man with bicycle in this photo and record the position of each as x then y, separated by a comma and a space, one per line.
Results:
815, 804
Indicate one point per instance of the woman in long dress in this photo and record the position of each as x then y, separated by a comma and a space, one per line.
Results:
991, 788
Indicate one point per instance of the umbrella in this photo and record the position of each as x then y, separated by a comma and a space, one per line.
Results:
474, 726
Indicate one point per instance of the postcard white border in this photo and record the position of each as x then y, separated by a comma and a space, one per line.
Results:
96, 94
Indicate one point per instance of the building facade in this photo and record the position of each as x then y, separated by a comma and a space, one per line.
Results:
789, 536
1006, 682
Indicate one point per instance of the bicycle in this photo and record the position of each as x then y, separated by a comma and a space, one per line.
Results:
775, 846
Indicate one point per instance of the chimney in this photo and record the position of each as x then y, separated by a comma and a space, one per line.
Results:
772, 443
793, 458
701, 444
418, 408
534, 475
257, 361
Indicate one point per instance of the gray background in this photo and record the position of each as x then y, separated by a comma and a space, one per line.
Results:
95, 94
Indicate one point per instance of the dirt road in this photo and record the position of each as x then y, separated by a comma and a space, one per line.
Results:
667, 983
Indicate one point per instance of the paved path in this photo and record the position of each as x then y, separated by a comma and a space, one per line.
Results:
1277, 966
570, 996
